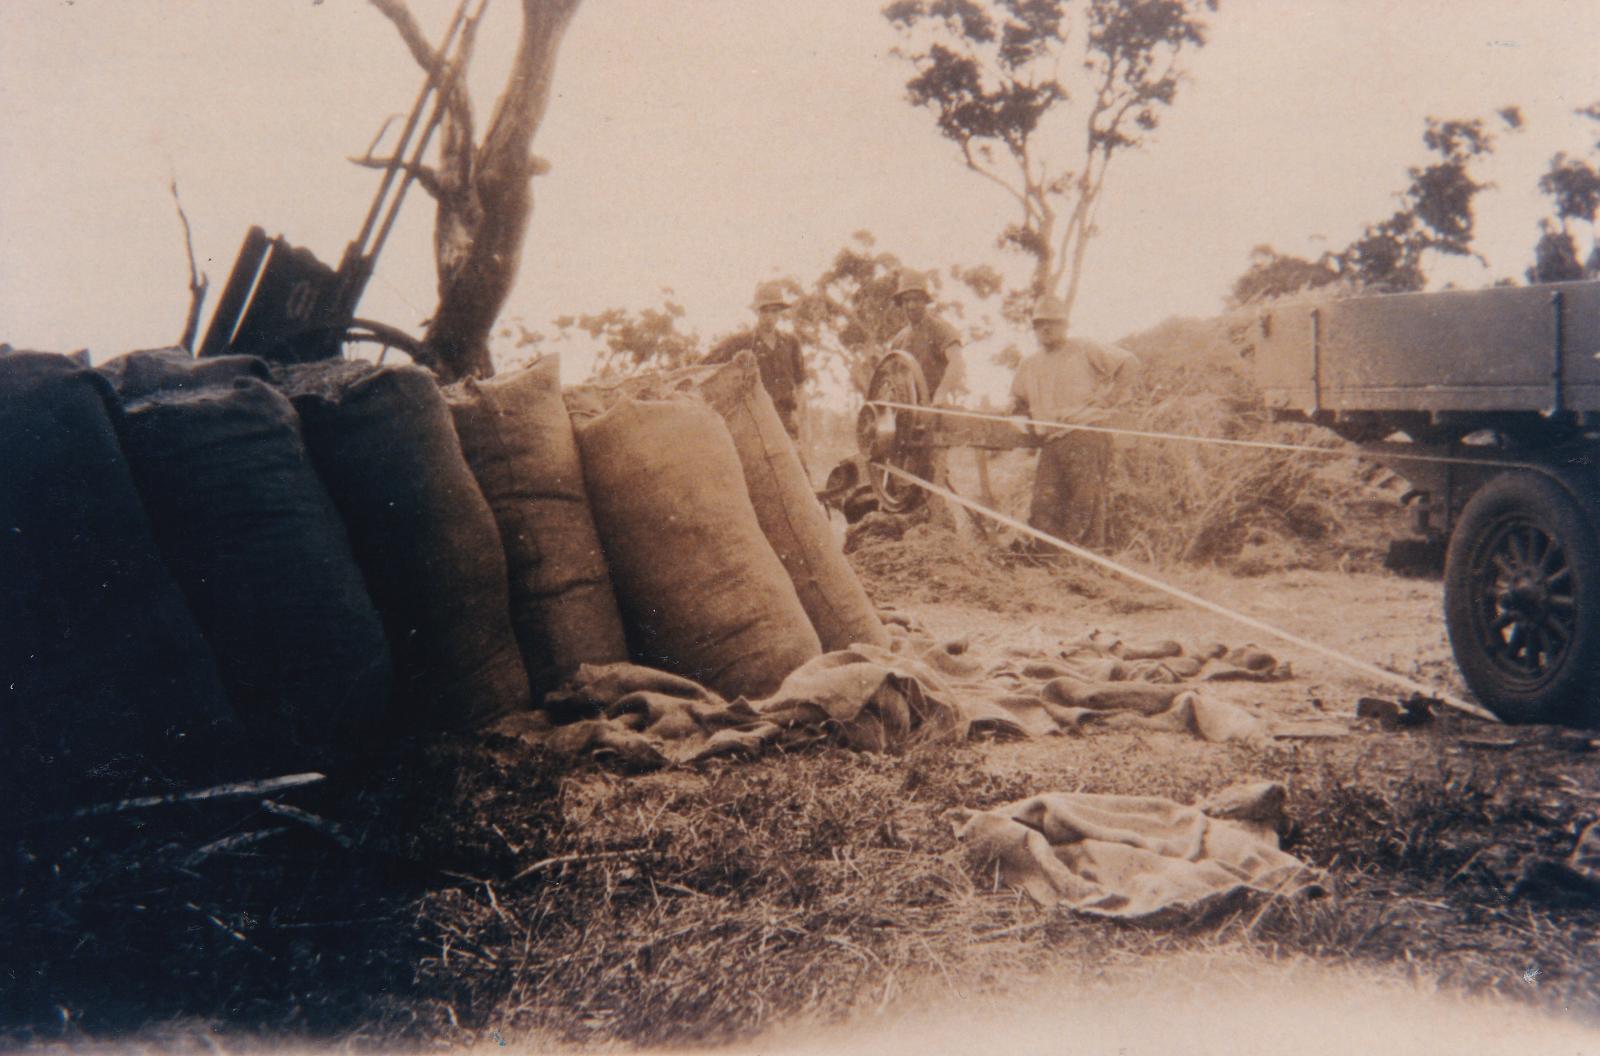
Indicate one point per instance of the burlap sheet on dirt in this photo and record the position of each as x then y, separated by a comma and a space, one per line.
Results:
874, 699
864, 697
1138, 856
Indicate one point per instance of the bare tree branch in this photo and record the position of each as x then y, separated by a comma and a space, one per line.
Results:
426, 177
966, 153
399, 15
199, 282
376, 139
457, 102
405, 24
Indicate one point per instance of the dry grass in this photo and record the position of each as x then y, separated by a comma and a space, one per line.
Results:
1429, 860
1249, 511
488, 891
906, 559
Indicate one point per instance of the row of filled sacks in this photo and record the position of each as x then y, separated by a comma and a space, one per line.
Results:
204, 573
341, 552
724, 563
680, 533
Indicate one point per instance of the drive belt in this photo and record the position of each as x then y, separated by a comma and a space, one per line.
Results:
1345, 659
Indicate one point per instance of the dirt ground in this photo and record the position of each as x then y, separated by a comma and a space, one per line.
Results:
817, 900
1545, 785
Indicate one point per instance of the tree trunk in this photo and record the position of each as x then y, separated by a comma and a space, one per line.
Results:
486, 200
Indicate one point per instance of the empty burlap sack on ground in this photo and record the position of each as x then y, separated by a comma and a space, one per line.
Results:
422, 535
702, 592
794, 523
1137, 856
518, 439
103, 670
255, 543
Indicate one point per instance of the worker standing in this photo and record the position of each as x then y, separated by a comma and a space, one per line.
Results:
936, 347
1078, 380
932, 342
782, 364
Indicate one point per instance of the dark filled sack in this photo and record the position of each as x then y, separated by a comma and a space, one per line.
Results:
424, 537
250, 535
154, 370
78, 358
104, 675
701, 591
518, 439
787, 508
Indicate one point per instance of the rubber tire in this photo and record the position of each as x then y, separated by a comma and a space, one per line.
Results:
1566, 694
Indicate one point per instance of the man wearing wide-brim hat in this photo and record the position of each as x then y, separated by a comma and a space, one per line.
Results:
783, 365
1070, 380
936, 346
932, 342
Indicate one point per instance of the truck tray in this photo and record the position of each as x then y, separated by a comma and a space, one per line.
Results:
1531, 348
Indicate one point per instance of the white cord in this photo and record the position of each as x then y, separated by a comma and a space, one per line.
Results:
1346, 659
1268, 445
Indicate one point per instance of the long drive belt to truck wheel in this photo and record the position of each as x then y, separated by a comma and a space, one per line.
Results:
1345, 659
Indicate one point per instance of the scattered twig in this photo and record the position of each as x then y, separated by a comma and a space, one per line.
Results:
199, 282
227, 791
568, 859
232, 843
309, 820
233, 933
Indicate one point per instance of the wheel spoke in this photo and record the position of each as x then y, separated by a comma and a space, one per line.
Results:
1512, 596
1535, 650
1514, 549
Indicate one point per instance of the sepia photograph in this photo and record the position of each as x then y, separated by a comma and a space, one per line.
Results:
754, 527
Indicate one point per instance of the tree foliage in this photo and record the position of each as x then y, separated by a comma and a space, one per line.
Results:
1040, 96
481, 185
632, 342
846, 316
1573, 186
1273, 274
1434, 215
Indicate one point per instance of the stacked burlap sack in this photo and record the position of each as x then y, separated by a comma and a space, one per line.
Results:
217, 568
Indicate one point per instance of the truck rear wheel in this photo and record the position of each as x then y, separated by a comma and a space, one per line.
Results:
1522, 600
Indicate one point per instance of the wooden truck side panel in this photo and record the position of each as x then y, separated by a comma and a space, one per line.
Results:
1534, 348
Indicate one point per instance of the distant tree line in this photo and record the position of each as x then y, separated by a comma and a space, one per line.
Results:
1435, 215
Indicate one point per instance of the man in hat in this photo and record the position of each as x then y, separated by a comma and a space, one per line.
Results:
783, 366
932, 342
1076, 380
936, 346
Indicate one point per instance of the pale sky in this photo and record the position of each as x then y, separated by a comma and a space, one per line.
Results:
703, 145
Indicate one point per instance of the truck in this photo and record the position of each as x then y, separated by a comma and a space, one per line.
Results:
1488, 403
